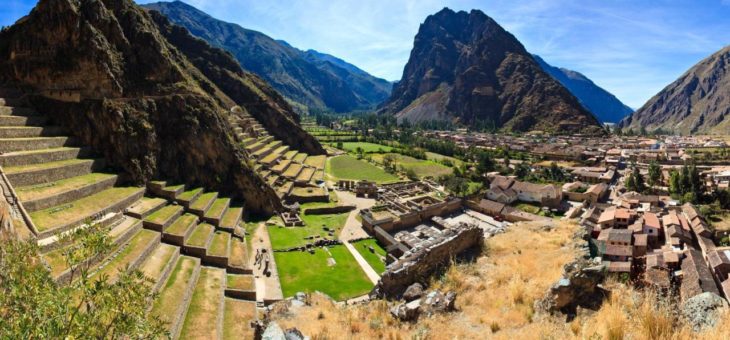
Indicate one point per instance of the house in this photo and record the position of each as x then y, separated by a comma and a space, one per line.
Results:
652, 228
640, 244
507, 190
597, 192
696, 276
719, 261
491, 207
624, 217
673, 228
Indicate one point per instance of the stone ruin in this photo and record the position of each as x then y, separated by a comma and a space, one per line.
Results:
419, 263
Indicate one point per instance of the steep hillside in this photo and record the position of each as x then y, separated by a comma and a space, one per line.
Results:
604, 105
697, 102
103, 70
465, 67
308, 78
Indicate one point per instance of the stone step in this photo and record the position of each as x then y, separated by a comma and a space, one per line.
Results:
271, 159
33, 143
300, 158
216, 211
168, 191
45, 195
146, 206
291, 154
249, 141
293, 171
57, 219
43, 156
161, 219
30, 131
120, 234
238, 260
188, 196
179, 231
17, 111
159, 264
199, 241
22, 120
231, 219
25, 175
240, 286
267, 139
255, 147
219, 249
305, 175
237, 317
129, 257
172, 303
201, 205
281, 166
284, 190
204, 319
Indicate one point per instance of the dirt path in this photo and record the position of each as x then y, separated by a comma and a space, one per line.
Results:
369, 271
353, 228
267, 288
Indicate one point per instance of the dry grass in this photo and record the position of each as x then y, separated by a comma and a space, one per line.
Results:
495, 300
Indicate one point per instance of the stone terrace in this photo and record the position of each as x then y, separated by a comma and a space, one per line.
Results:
188, 241
282, 167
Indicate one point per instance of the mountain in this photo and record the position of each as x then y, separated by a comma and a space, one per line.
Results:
465, 67
697, 102
146, 95
310, 78
604, 105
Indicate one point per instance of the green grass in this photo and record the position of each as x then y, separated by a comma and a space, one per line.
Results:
48, 189
439, 157
43, 166
305, 272
236, 318
350, 168
174, 288
219, 244
127, 255
365, 146
231, 217
216, 209
181, 225
203, 200
374, 259
200, 235
240, 282
422, 168
57, 216
288, 237
186, 196
204, 310
162, 215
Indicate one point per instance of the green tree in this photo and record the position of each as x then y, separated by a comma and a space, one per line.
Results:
675, 183
522, 170
34, 306
484, 163
457, 185
639, 184
655, 174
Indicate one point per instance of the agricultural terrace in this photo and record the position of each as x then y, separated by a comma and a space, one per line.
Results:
350, 168
422, 168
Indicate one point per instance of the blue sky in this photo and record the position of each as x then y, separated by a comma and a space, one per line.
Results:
631, 48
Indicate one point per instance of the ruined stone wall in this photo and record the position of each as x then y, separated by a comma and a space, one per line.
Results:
417, 265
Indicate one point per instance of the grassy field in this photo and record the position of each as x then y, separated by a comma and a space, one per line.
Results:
439, 157
348, 167
374, 259
288, 237
305, 272
366, 147
422, 168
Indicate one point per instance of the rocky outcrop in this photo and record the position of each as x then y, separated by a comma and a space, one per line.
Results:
465, 67
310, 78
697, 102
432, 303
253, 94
418, 264
153, 108
703, 310
580, 286
604, 105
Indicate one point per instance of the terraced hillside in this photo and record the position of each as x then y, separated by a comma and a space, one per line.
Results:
281, 167
186, 240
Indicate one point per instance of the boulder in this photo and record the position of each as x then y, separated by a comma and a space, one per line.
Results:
580, 286
274, 332
407, 311
414, 291
702, 311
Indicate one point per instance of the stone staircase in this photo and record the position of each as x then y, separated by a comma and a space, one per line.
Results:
187, 241
281, 167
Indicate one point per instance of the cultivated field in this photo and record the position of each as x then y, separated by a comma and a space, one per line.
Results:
350, 168
422, 168
288, 237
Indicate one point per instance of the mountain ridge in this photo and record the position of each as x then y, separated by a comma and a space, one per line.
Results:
604, 105
696, 102
304, 78
467, 68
